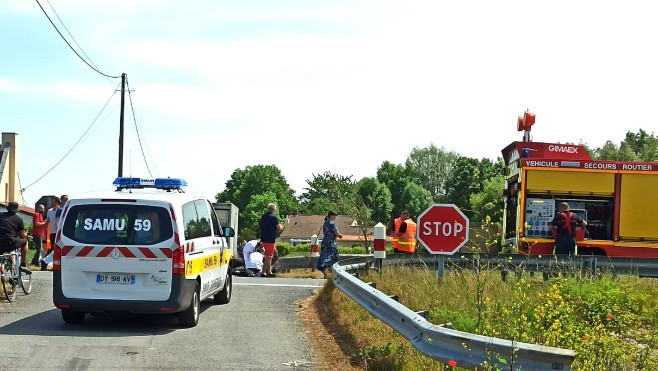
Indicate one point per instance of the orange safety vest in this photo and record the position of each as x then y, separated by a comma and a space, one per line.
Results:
396, 240
408, 239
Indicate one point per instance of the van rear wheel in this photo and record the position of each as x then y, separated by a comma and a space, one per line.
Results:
190, 316
224, 296
72, 316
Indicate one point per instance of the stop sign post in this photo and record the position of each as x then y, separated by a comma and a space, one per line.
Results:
442, 229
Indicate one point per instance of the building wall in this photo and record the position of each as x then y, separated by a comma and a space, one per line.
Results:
9, 183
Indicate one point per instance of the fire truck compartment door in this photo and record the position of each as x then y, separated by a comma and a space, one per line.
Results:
570, 182
638, 210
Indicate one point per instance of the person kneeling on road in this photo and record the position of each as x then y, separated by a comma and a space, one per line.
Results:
13, 235
255, 264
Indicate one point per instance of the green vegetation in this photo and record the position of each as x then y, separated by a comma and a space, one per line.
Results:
610, 322
285, 249
428, 175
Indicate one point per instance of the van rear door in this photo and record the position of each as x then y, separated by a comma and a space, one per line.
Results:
117, 250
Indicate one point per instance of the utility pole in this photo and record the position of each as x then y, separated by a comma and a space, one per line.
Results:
123, 98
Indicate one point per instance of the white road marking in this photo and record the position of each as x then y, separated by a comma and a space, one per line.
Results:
273, 284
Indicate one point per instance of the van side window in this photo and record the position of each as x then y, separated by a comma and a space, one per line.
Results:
203, 222
215, 221
190, 220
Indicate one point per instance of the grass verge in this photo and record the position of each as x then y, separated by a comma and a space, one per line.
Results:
609, 321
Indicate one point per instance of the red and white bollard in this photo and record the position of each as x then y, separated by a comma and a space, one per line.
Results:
315, 249
380, 241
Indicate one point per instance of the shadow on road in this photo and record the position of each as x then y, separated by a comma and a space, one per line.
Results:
50, 323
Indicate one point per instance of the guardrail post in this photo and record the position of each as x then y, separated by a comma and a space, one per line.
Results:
379, 233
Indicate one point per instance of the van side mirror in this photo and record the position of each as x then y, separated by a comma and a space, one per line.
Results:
229, 232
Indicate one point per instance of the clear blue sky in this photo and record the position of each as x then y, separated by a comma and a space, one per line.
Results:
313, 86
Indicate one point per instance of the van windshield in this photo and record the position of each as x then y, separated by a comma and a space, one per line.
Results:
114, 224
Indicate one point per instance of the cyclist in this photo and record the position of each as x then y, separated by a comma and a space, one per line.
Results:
12, 234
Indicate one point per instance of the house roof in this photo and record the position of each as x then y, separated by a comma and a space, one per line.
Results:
26, 213
21, 209
305, 226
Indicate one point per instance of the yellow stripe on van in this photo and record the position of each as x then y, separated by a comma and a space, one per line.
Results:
194, 267
227, 255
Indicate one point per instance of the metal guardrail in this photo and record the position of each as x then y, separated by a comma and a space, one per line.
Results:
469, 350
644, 267
445, 344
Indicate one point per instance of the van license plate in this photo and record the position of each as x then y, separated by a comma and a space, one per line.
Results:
116, 279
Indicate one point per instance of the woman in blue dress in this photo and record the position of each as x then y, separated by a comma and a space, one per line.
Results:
329, 249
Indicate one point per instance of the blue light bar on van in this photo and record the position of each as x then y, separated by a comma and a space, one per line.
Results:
170, 183
158, 183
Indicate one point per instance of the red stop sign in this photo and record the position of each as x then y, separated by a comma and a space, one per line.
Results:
442, 229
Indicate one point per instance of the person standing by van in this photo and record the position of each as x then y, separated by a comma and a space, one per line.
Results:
51, 222
38, 233
269, 228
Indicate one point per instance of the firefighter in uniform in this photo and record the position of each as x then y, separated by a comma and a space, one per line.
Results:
403, 233
565, 223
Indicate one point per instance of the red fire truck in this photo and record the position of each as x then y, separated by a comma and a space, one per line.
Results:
619, 200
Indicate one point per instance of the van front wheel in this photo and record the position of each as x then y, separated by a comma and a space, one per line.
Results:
224, 296
190, 316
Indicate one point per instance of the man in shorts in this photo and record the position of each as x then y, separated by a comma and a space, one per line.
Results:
13, 235
269, 227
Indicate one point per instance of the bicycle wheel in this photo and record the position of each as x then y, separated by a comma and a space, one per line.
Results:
25, 281
8, 283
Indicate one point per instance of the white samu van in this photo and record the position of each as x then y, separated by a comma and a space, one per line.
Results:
147, 247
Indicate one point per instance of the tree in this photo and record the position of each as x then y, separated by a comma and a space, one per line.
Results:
416, 198
464, 180
250, 216
467, 178
610, 152
488, 204
635, 147
395, 178
256, 180
339, 193
377, 198
431, 168
325, 192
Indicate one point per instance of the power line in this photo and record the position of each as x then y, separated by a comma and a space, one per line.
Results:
76, 143
73, 38
67, 43
130, 97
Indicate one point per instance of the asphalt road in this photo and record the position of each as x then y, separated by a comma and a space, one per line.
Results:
257, 330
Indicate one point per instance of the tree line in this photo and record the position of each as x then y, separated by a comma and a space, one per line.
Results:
428, 175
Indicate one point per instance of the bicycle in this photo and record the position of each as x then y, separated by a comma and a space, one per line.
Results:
11, 275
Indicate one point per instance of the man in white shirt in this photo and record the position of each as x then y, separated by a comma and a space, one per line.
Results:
249, 248
255, 265
51, 222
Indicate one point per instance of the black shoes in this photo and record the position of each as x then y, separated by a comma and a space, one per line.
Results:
25, 270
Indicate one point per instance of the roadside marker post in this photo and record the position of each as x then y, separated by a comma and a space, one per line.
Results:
315, 249
379, 233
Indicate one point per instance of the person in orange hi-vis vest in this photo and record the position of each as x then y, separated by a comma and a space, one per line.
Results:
403, 233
